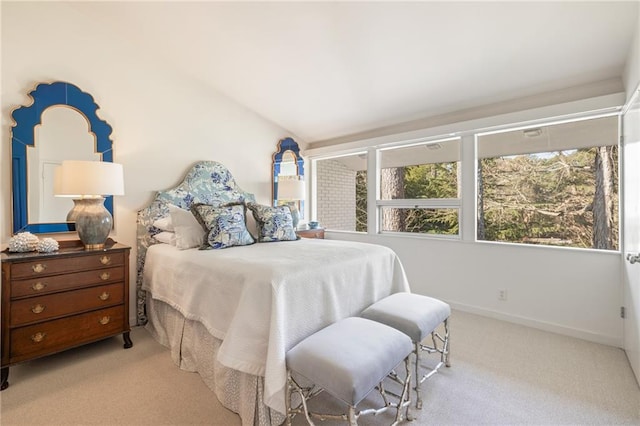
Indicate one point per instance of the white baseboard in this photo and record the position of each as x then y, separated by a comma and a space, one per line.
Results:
605, 339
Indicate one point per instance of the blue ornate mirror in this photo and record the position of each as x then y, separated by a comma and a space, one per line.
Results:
60, 124
287, 163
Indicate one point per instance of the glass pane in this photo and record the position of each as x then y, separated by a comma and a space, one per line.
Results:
565, 197
420, 220
426, 171
342, 192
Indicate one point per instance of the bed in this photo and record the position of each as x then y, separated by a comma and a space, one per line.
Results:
232, 314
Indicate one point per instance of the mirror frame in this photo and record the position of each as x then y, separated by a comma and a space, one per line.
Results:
287, 144
26, 118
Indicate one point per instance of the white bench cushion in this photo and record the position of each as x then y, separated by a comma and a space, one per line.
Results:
413, 314
350, 357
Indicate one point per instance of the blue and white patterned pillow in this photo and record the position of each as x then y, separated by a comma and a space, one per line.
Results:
274, 223
225, 225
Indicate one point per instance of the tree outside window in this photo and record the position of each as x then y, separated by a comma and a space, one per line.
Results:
553, 185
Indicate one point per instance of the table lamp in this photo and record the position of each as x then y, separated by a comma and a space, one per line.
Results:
290, 191
88, 182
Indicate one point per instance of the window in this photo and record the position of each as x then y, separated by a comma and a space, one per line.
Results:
553, 185
341, 192
420, 188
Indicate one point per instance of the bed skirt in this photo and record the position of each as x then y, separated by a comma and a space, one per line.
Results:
194, 349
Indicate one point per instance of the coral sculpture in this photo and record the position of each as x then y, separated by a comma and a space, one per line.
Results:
23, 242
47, 245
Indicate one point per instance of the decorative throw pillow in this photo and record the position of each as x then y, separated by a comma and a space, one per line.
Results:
166, 237
164, 224
225, 225
274, 223
189, 232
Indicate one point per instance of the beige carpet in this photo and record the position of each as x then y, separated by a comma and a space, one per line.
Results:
502, 374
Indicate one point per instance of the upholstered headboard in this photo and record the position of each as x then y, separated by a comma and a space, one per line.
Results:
207, 182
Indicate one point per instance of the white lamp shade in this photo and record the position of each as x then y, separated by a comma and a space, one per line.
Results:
291, 189
88, 178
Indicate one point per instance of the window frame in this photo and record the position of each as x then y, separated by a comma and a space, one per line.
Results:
314, 184
427, 203
467, 203
552, 121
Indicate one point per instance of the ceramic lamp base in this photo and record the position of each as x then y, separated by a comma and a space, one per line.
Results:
93, 222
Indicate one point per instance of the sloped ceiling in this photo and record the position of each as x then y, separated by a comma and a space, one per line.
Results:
325, 70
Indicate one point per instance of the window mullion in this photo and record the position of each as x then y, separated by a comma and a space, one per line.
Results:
442, 203
468, 172
373, 190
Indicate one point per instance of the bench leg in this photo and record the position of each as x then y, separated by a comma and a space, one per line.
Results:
445, 347
287, 399
418, 381
353, 420
406, 393
292, 386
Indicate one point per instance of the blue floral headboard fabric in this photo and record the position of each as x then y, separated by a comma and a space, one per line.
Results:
208, 182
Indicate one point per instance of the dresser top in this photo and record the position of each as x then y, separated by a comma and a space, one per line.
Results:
67, 248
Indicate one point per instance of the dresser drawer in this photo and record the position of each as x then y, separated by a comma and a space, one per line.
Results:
26, 311
48, 337
53, 266
54, 283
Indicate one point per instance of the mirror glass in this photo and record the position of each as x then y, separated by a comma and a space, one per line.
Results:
287, 163
288, 166
63, 135
60, 124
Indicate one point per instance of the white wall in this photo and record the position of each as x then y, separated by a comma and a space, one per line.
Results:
162, 122
631, 76
572, 292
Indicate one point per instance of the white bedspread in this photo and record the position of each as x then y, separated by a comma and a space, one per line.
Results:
264, 298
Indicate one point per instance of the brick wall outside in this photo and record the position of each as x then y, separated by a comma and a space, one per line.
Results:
336, 196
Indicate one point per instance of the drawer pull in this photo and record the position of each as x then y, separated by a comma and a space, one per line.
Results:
38, 337
105, 276
38, 286
38, 308
105, 260
105, 320
38, 267
104, 296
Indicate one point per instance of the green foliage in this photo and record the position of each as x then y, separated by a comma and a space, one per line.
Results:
361, 201
541, 199
538, 198
431, 181
432, 221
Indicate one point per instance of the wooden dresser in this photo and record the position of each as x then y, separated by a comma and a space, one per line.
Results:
56, 301
311, 233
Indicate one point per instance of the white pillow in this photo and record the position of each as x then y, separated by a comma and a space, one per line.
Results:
166, 237
164, 224
189, 232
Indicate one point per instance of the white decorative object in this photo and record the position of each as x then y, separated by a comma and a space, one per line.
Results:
23, 242
47, 245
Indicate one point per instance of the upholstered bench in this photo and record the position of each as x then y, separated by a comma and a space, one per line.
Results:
348, 359
416, 316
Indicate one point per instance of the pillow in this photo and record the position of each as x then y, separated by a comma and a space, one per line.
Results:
274, 223
225, 225
164, 224
189, 232
166, 238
